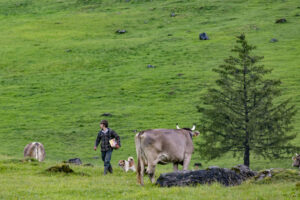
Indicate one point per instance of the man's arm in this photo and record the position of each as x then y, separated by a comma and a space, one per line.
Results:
97, 141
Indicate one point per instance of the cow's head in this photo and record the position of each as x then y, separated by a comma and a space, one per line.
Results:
192, 131
296, 160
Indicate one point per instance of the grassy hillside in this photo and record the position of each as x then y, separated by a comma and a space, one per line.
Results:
62, 66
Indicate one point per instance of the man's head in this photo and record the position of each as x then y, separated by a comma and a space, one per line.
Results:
104, 123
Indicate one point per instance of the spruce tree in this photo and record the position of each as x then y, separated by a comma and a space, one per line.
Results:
239, 115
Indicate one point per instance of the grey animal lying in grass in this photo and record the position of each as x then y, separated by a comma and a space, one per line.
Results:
35, 150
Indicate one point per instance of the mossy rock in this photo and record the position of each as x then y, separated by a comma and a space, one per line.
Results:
61, 168
277, 175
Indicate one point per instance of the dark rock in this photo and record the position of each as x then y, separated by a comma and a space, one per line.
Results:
273, 40
203, 36
75, 161
212, 167
172, 15
107, 115
297, 15
96, 157
170, 34
121, 31
185, 178
60, 168
68, 50
150, 66
283, 20
244, 171
180, 74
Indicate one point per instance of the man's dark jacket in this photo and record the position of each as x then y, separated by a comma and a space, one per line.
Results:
105, 137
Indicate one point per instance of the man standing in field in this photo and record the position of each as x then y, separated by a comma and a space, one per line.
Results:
105, 135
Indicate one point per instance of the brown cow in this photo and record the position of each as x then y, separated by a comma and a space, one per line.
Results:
162, 146
35, 150
296, 160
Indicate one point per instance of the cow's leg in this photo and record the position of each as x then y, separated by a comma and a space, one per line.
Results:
175, 167
142, 172
186, 162
151, 173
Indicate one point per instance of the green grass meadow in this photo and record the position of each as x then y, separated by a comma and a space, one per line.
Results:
62, 65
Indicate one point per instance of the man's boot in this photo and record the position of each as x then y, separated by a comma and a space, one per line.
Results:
105, 170
110, 169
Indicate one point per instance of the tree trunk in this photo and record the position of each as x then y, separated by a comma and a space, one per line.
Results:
247, 155
246, 143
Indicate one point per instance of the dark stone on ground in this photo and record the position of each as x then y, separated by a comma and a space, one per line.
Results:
273, 40
180, 74
96, 157
68, 50
203, 36
172, 15
244, 171
121, 31
60, 168
150, 66
75, 161
278, 21
106, 115
212, 174
170, 34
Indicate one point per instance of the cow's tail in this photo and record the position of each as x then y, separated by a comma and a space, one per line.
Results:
140, 163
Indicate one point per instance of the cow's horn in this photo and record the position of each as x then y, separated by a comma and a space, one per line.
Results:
193, 128
177, 126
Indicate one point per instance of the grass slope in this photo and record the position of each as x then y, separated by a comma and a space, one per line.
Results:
62, 65
30, 181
